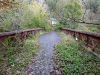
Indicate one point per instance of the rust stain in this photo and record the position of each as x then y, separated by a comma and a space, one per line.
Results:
91, 39
21, 33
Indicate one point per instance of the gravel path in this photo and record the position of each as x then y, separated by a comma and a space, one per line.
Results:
44, 64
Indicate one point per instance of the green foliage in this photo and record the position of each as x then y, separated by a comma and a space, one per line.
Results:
52, 4
72, 11
88, 28
35, 17
69, 24
94, 28
68, 11
59, 26
74, 60
66, 24
25, 16
18, 54
10, 56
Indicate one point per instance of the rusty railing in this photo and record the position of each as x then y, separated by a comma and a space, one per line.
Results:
90, 39
20, 33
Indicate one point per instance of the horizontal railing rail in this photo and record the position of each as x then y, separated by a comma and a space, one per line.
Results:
90, 39
4, 35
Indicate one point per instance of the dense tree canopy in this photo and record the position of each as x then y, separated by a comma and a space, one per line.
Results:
25, 14
20, 14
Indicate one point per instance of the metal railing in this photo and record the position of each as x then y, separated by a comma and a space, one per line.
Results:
90, 39
20, 33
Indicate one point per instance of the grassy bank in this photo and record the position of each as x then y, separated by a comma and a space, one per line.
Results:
75, 60
17, 55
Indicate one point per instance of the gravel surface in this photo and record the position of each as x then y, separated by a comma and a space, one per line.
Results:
44, 64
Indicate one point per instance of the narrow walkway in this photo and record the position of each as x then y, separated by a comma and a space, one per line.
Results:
44, 64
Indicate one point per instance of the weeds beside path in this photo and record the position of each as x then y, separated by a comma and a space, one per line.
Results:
74, 59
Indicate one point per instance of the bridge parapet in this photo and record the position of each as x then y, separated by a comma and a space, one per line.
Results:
90, 39
20, 33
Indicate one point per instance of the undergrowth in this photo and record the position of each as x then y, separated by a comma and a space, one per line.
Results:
16, 55
74, 59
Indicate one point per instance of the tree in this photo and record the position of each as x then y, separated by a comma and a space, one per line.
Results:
91, 11
25, 15
73, 11
92, 5
52, 4
63, 8
68, 12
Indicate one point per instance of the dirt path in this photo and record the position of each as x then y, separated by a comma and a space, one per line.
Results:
44, 64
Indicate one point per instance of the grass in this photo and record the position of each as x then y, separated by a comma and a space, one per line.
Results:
88, 27
74, 60
78, 26
18, 55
